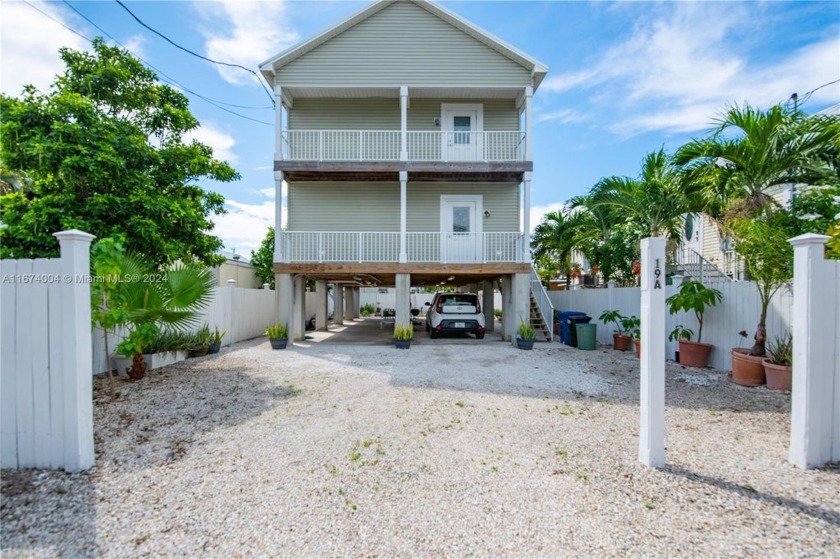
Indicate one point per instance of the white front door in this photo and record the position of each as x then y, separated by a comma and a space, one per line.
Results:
461, 232
462, 133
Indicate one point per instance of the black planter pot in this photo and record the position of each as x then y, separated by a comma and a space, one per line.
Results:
214, 348
402, 344
199, 351
279, 344
524, 344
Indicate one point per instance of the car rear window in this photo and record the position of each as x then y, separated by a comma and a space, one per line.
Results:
458, 299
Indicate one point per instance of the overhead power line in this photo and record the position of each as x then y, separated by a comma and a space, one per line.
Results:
165, 78
173, 43
799, 101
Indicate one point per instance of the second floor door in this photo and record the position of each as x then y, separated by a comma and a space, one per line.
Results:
462, 138
461, 231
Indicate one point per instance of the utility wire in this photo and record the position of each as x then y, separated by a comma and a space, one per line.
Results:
158, 70
166, 78
799, 101
173, 43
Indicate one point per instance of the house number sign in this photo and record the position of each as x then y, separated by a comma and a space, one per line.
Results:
657, 273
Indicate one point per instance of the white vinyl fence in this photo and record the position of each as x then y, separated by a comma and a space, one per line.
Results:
46, 418
245, 313
739, 310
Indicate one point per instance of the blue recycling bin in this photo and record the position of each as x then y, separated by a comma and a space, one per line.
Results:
565, 331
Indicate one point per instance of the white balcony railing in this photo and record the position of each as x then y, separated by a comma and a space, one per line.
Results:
365, 246
384, 145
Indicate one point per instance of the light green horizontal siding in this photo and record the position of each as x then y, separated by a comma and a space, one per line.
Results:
344, 206
501, 200
375, 206
499, 114
345, 114
403, 44
384, 114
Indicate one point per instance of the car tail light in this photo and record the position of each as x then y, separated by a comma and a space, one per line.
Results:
478, 307
480, 328
438, 327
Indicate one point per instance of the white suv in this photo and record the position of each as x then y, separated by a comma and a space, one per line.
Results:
455, 312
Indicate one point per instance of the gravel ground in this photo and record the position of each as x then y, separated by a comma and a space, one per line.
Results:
443, 450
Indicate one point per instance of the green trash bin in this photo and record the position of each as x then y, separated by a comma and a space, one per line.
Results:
586, 336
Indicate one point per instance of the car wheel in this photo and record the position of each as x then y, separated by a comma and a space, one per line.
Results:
433, 334
427, 326
479, 335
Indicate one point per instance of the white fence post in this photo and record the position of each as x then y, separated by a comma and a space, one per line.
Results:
815, 395
77, 351
652, 389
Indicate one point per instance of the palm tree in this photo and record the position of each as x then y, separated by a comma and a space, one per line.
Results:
769, 149
656, 201
739, 174
553, 241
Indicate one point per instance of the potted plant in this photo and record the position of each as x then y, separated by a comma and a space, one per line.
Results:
403, 336
621, 340
778, 364
278, 334
633, 326
769, 261
216, 341
201, 342
680, 333
696, 297
525, 336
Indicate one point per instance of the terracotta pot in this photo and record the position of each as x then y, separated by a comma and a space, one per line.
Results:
638, 344
747, 370
621, 342
694, 354
778, 376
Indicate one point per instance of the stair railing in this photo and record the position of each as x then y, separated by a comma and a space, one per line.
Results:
543, 302
707, 272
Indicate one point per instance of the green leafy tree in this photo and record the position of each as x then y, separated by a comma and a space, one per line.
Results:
263, 259
769, 260
105, 153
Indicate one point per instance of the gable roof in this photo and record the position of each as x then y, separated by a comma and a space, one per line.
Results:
537, 68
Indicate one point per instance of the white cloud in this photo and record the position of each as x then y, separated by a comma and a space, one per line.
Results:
245, 225
248, 33
563, 116
135, 44
263, 168
29, 41
538, 212
676, 72
221, 142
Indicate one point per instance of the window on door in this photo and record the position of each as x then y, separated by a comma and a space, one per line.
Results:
462, 126
461, 219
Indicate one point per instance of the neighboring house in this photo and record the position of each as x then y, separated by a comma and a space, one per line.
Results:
238, 269
404, 136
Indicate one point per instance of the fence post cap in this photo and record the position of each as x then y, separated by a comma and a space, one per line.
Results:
74, 235
231, 283
809, 239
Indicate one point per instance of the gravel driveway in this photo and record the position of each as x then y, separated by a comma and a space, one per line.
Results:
443, 450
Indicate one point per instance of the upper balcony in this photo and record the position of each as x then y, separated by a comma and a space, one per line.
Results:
386, 145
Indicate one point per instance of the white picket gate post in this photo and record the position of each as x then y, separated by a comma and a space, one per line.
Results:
815, 394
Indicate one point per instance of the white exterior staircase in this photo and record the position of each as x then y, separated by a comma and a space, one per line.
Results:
541, 310
689, 263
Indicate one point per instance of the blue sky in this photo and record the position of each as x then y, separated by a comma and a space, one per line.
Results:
624, 78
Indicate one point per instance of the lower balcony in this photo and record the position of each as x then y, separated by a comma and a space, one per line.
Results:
384, 247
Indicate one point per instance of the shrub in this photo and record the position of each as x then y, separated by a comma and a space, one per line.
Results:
277, 332
526, 331
367, 310
403, 332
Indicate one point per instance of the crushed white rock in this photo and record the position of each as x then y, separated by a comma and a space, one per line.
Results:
437, 451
